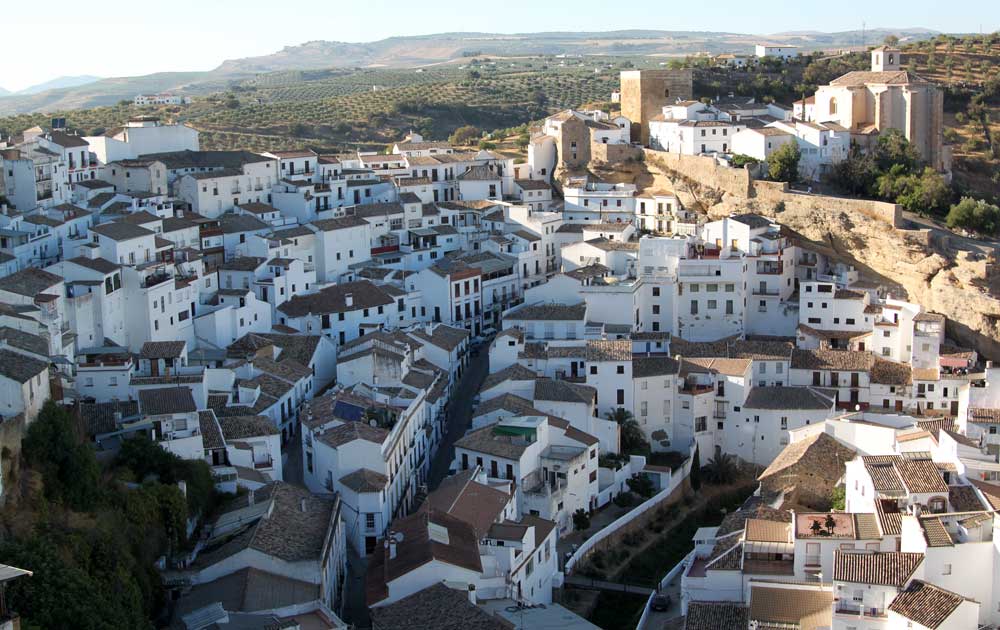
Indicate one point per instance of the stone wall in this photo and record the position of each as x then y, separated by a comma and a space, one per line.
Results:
778, 192
640, 523
645, 92
702, 170
614, 153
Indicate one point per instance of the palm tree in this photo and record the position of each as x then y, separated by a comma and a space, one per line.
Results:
721, 469
632, 440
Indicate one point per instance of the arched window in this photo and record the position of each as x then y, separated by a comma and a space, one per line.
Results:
891, 57
833, 106
666, 93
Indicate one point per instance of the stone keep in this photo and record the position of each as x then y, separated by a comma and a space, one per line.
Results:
645, 92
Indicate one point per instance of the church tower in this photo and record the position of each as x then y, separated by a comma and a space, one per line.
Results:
885, 59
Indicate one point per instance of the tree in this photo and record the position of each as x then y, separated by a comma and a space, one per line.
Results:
465, 135
487, 145
696, 470
642, 485
975, 215
891, 40
816, 527
893, 148
721, 469
783, 165
927, 192
581, 520
838, 498
632, 440
830, 523
69, 469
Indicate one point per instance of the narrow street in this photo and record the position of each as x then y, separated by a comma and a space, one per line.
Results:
459, 414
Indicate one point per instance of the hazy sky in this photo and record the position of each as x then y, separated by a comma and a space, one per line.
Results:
122, 37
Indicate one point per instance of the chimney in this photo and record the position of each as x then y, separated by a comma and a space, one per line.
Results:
429, 328
250, 499
349, 299
472, 593
392, 545
302, 505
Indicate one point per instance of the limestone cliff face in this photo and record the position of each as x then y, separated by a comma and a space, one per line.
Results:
919, 265
927, 271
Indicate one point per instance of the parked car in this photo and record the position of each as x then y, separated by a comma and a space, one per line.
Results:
661, 603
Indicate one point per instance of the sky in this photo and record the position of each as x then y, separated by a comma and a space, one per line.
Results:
111, 38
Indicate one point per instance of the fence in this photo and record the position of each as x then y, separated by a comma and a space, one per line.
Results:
677, 477
667, 579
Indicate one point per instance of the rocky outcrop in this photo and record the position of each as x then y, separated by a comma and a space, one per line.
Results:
944, 273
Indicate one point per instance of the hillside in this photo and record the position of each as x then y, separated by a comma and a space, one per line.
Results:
969, 70
428, 50
342, 109
59, 83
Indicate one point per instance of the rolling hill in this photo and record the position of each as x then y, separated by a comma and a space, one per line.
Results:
428, 50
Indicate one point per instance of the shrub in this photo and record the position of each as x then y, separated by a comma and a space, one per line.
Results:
975, 215
783, 165
581, 520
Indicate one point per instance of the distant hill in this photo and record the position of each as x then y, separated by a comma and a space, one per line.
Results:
427, 50
58, 83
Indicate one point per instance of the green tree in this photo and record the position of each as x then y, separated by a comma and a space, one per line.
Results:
69, 469
783, 165
642, 485
975, 215
465, 135
581, 520
893, 148
838, 498
927, 192
721, 469
632, 440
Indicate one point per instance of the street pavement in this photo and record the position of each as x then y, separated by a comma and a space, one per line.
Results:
458, 417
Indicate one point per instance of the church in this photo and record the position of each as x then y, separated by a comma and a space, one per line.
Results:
887, 97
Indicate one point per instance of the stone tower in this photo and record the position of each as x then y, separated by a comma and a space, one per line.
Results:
645, 92
885, 59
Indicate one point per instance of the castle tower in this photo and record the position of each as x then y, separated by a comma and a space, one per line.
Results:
885, 59
645, 92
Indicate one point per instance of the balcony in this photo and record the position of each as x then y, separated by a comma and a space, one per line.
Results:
858, 609
770, 268
264, 464
766, 292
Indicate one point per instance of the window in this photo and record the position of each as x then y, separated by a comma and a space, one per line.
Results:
593, 369
694, 307
656, 291
620, 369
701, 423
946, 569
370, 520
833, 106
784, 423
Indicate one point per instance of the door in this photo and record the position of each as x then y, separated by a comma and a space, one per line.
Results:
954, 407
154, 367
899, 405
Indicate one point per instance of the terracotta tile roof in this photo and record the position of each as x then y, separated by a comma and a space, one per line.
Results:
716, 616
211, 433
926, 604
886, 372
790, 398
609, 350
477, 504
427, 535
858, 78
549, 312
980, 415
759, 530
890, 519
514, 372
821, 453
436, 606
563, 391
166, 400
991, 492
935, 532
242, 427
893, 474
645, 367
350, 431
365, 480
486, 440
334, 299
893, 568
841, 360
811, 609
162, 349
